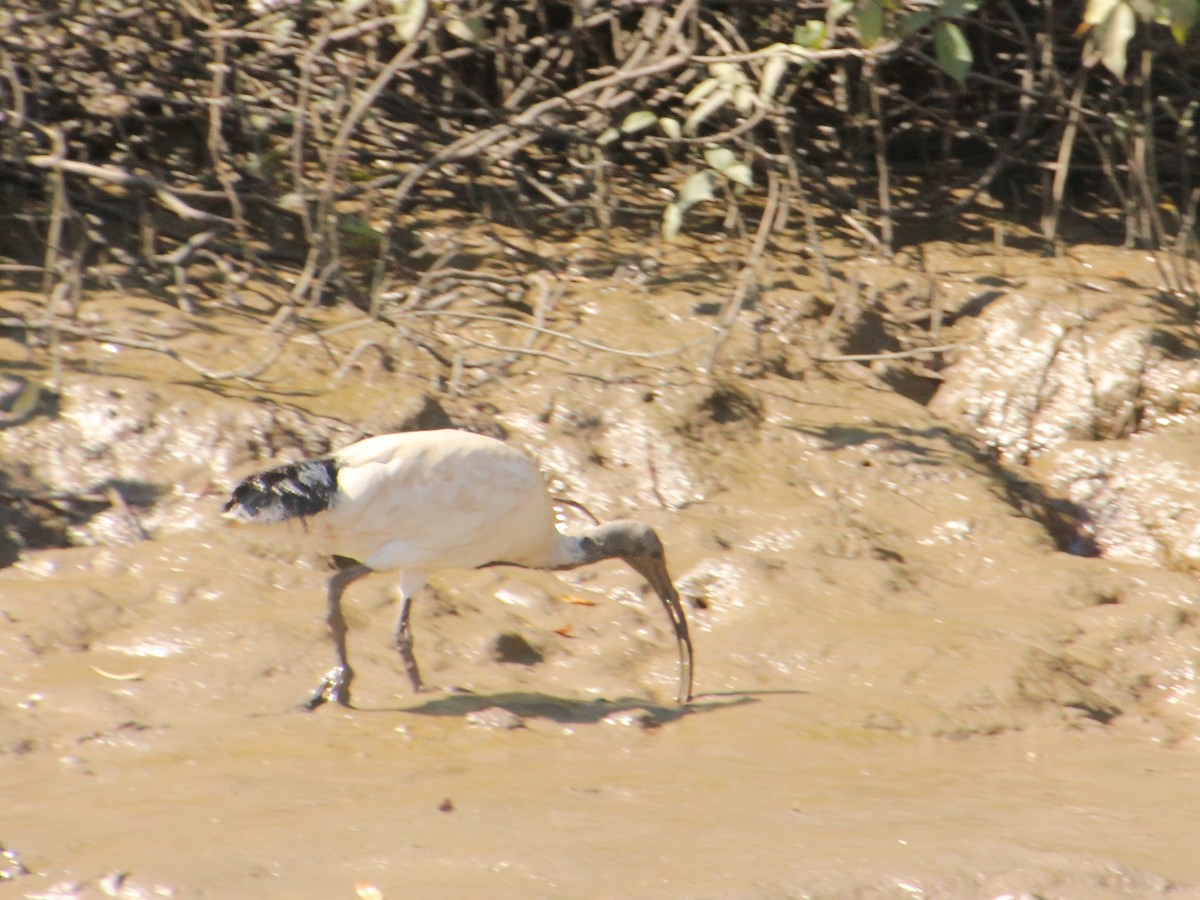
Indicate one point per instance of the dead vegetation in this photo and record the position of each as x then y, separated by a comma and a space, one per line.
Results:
276, 155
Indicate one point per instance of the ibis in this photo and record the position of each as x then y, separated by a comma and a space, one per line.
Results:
419, 502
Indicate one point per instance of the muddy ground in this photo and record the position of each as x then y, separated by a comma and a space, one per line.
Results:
907, 687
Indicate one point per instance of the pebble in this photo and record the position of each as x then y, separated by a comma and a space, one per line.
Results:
495, 717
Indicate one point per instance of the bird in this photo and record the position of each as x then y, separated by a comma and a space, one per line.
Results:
419, 502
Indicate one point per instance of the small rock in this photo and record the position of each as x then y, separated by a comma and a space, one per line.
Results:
118, 884
10, 864
642, 718
61, 890
111, 883
76, 764
495, 717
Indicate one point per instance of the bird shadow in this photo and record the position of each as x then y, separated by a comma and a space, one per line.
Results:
774, 692
531, 705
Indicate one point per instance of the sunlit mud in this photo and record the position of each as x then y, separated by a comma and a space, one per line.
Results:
905, 687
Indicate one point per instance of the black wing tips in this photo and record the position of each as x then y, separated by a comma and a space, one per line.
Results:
293, 491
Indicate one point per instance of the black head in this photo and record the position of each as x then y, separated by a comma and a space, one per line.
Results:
626, 540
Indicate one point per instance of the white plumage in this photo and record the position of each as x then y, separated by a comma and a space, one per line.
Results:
422, 501
438, 500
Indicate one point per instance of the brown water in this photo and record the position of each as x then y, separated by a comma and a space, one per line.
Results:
904, 689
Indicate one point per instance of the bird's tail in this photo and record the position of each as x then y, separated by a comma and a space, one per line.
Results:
287, 492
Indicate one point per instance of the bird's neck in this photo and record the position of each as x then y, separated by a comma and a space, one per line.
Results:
570, 551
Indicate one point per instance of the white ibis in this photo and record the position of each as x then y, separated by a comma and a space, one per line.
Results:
422, 501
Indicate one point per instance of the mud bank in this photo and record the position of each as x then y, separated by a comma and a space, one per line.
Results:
906, 686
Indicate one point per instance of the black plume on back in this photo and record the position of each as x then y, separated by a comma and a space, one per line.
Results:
288, 492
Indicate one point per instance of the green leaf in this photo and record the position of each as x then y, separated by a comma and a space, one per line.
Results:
638, 121
351, 8
953, 52
1183, 15
743, 99
836, 12
670, 127
773, 73
468, 29
607, 136
714, 102
697, 189
725, 162
720, 158
1098, 10
700, 91
672, 221
913, 22
957, 9
740, 173
410, 16
292, 202
811, 34
281, 29
356, 235
728, 74
1114, 35
870, 23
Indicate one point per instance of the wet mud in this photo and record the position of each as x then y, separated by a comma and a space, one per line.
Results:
906, 685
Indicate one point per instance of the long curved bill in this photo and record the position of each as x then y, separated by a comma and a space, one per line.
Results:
654, 570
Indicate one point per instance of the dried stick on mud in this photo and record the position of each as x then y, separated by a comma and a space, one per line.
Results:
748, 274
249, 371
322, 143
120, 177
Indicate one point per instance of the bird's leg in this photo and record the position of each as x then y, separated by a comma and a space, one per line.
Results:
411, 582
404, 644
336, 683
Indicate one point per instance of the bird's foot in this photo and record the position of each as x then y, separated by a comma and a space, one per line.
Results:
411, 670
334, 686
